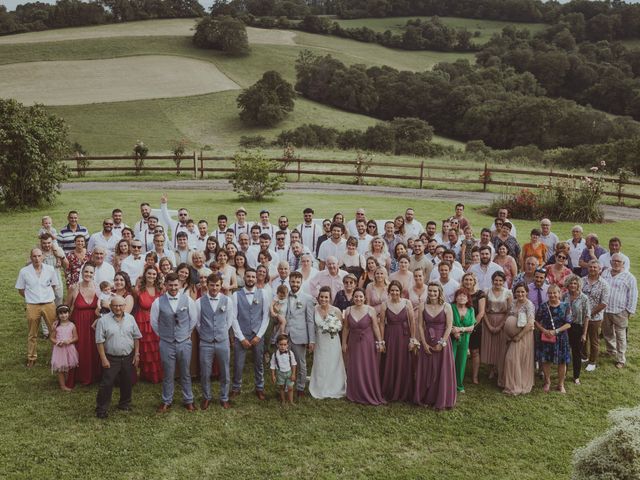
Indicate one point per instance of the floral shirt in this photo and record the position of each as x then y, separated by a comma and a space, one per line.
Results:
579, 309
597, 293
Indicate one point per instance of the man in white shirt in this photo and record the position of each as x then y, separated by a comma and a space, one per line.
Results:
281, 249
160, 249
141, 225
615, 246
105, 239
503, 214
283, 276
249, 327
254, 250
335, 246
548, 237
456, 272
146, 235
244, 243
36, 283
134, 263
104, 271
200, 241
485, 269
576, 245
412, 227
432, 232
220, 233
283, 226
309, 230
118, 224
364, 239
183, 249
449, 285
266, 226
175, 226
330, 277
241, 225
351, 226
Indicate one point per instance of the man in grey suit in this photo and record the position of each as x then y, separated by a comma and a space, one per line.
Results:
300, 327
214, 321
173, 317
251, 320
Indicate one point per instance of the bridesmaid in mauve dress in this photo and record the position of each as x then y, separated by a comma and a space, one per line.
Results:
360, 334
83, 315
435, 372
494, 339
376, 292
398, 328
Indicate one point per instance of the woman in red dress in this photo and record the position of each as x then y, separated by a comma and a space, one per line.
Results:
83, 301
150, 365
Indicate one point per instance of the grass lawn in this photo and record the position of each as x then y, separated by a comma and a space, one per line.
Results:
48, 433
486, 28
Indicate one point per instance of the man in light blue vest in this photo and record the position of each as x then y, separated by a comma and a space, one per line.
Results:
300, 327
249, 326
173, 317
214, 321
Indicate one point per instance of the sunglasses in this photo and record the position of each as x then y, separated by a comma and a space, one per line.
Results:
541, 270
561, 257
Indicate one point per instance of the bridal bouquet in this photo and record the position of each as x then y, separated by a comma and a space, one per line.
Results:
330, 324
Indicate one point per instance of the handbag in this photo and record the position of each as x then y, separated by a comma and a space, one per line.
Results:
522, 319
545, 337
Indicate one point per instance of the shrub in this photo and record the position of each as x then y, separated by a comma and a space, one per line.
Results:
309, 135
253, 141
380, 137
253, 177
33, 143
615, 455
81, 162
140, 152
222, 33
268, 101
350, 139
178, 148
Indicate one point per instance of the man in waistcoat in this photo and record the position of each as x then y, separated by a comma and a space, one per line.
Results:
214, 321
251, 310
300, 327
173, 317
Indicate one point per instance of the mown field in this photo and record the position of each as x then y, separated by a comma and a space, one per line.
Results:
47, 433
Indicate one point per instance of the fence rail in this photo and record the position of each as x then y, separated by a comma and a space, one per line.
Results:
199, 165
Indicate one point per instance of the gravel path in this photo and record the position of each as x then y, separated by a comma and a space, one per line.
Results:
479, 198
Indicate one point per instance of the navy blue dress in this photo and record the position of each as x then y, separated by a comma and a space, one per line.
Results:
560, 351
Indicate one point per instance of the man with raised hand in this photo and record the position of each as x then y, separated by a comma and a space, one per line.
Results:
176, 226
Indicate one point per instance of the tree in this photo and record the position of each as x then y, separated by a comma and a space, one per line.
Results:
222, 33
253, 177
32, 145
268, 101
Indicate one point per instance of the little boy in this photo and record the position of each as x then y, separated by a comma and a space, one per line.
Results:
283, 369
47, 227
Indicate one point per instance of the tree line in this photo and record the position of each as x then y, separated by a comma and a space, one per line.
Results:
499, 106
36, 16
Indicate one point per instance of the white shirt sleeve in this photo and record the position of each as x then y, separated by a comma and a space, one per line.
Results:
265, 317
231, 313
234, 319
193, 313
199, 310
155, 310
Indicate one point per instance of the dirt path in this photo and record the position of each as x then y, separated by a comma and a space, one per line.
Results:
477, 198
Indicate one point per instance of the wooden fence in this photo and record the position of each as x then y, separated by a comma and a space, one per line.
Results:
358, 171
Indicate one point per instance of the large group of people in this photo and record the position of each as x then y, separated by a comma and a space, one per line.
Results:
388, 311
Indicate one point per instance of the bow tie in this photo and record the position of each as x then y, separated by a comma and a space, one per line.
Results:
173, 298
307, 226
293, 295
214, 299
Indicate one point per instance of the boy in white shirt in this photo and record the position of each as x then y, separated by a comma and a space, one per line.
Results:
283, 369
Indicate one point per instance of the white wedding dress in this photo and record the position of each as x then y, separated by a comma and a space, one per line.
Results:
328, 376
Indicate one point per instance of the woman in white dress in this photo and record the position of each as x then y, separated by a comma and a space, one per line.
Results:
328, 375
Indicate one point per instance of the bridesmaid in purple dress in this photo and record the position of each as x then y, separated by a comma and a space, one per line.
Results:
435, 373
398, 329
360, 340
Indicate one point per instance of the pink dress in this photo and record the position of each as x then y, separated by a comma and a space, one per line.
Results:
374, 299
64, 358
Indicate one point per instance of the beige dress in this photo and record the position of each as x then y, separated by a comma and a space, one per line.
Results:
517, 375
416, 300
493, 345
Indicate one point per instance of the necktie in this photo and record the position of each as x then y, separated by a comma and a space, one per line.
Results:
297, 264
539, 296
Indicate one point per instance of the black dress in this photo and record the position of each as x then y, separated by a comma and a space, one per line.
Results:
476, 335
341, 301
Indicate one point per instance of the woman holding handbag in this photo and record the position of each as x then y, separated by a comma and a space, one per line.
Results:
553, 321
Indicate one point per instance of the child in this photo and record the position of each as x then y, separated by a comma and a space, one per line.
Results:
47, 227
105, 297
64, 356
466, 246
283, 368
278, 311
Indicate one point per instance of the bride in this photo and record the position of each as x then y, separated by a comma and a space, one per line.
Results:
328, 376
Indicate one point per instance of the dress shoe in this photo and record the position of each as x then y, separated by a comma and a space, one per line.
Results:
102, 415
225, 405
190, 407
234, 393
204, 404
30, 363
164, 408
260, 394
124, 408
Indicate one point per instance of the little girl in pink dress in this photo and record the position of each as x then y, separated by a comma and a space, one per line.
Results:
64, 356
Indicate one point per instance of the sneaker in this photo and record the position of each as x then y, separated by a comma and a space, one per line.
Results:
590, 368
585, 360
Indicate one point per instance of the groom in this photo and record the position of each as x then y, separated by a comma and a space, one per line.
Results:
300, 327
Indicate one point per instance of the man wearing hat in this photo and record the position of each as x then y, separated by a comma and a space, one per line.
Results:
241, 225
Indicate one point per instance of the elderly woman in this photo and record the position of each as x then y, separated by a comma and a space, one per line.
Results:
517, 375
580, 312
553, 321
558, 272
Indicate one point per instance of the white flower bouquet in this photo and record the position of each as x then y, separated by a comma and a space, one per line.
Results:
331, 324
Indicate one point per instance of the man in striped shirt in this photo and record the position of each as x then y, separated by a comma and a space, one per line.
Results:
67, 236
623, 299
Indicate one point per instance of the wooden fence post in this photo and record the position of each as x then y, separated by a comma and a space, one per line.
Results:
201, 166
485, 177
195, 166
421, 173
298, 169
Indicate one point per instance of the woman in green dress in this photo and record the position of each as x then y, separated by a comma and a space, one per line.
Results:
464, 320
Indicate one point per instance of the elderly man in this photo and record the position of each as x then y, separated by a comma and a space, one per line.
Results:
485, 269
526, 276
548, 237
503, 214
105, 239
300, 327
118, 342
592, 251
67, 235
53, 256
173, 317
103, 270
330, 277
36, 283
283, 276
576, 245
623, 300
597, 291
335, 246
